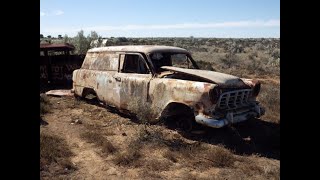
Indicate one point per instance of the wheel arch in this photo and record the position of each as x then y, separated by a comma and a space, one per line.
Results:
176, 108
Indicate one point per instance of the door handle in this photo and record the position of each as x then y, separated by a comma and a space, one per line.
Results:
118, 78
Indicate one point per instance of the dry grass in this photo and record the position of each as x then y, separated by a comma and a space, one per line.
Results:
44, 104
149, 135
189, 176
177, 150
203, 157
109, 132
96, 138
270, 99
250, 169
271, 173
170, 155
134, 155
53, 149
130, 157
193, 176
154, 151
205, 65
147, 174
141, 109
144, 111
157, 165
220, 157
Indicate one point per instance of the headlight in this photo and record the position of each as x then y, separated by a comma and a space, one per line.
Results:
215, 94
256, 89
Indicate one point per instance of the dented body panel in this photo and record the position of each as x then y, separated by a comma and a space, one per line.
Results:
214, 77
121, 75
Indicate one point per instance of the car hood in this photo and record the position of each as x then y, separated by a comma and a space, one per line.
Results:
211, 76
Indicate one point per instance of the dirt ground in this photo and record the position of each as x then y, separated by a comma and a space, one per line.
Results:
108, 145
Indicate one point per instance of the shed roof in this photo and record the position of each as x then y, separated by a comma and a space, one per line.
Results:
57, 47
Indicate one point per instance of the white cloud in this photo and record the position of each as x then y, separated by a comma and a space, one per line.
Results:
58, 12
234, 24
220, 29
52, 13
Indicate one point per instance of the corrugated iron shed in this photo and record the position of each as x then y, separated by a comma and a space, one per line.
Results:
57, 47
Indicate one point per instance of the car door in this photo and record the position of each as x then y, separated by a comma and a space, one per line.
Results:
107, 65
132, 81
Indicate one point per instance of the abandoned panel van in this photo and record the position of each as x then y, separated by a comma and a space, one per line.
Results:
168, 82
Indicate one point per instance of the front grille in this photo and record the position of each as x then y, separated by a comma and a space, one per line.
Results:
233, 99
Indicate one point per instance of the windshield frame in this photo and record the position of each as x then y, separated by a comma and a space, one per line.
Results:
171, 53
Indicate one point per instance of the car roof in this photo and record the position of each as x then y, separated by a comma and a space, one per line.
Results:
141, 48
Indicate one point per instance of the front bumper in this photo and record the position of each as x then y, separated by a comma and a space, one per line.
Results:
231, 117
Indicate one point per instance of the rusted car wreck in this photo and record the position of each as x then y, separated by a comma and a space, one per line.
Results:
168, 80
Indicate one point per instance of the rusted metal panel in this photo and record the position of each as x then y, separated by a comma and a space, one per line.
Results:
57, 47
194, 94
104, 61
103, 83
56, 68
215, 77
132, 88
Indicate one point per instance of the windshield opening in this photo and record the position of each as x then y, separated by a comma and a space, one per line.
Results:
170, 59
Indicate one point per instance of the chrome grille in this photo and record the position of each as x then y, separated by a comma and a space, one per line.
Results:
234, 99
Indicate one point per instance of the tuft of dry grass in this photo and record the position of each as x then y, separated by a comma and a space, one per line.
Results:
44, 104
144, 111
170, 155
147, 174
44, 98
96, 138
250, 169
157, 165
141, 109
220, 157
53, 149
150, 136
189, 176
200, 156
272, 173
75, 103
270, 99
132, 154
205, 65
128, 158
109, 132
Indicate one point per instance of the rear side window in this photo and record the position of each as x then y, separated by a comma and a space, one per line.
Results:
134, 63
101, 61
89, 59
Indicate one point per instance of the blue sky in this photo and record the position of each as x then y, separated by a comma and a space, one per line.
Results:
162, 18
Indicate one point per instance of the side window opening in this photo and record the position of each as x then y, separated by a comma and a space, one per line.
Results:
134, 64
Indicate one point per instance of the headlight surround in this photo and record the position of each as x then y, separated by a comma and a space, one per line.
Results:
215, 94
256, 89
